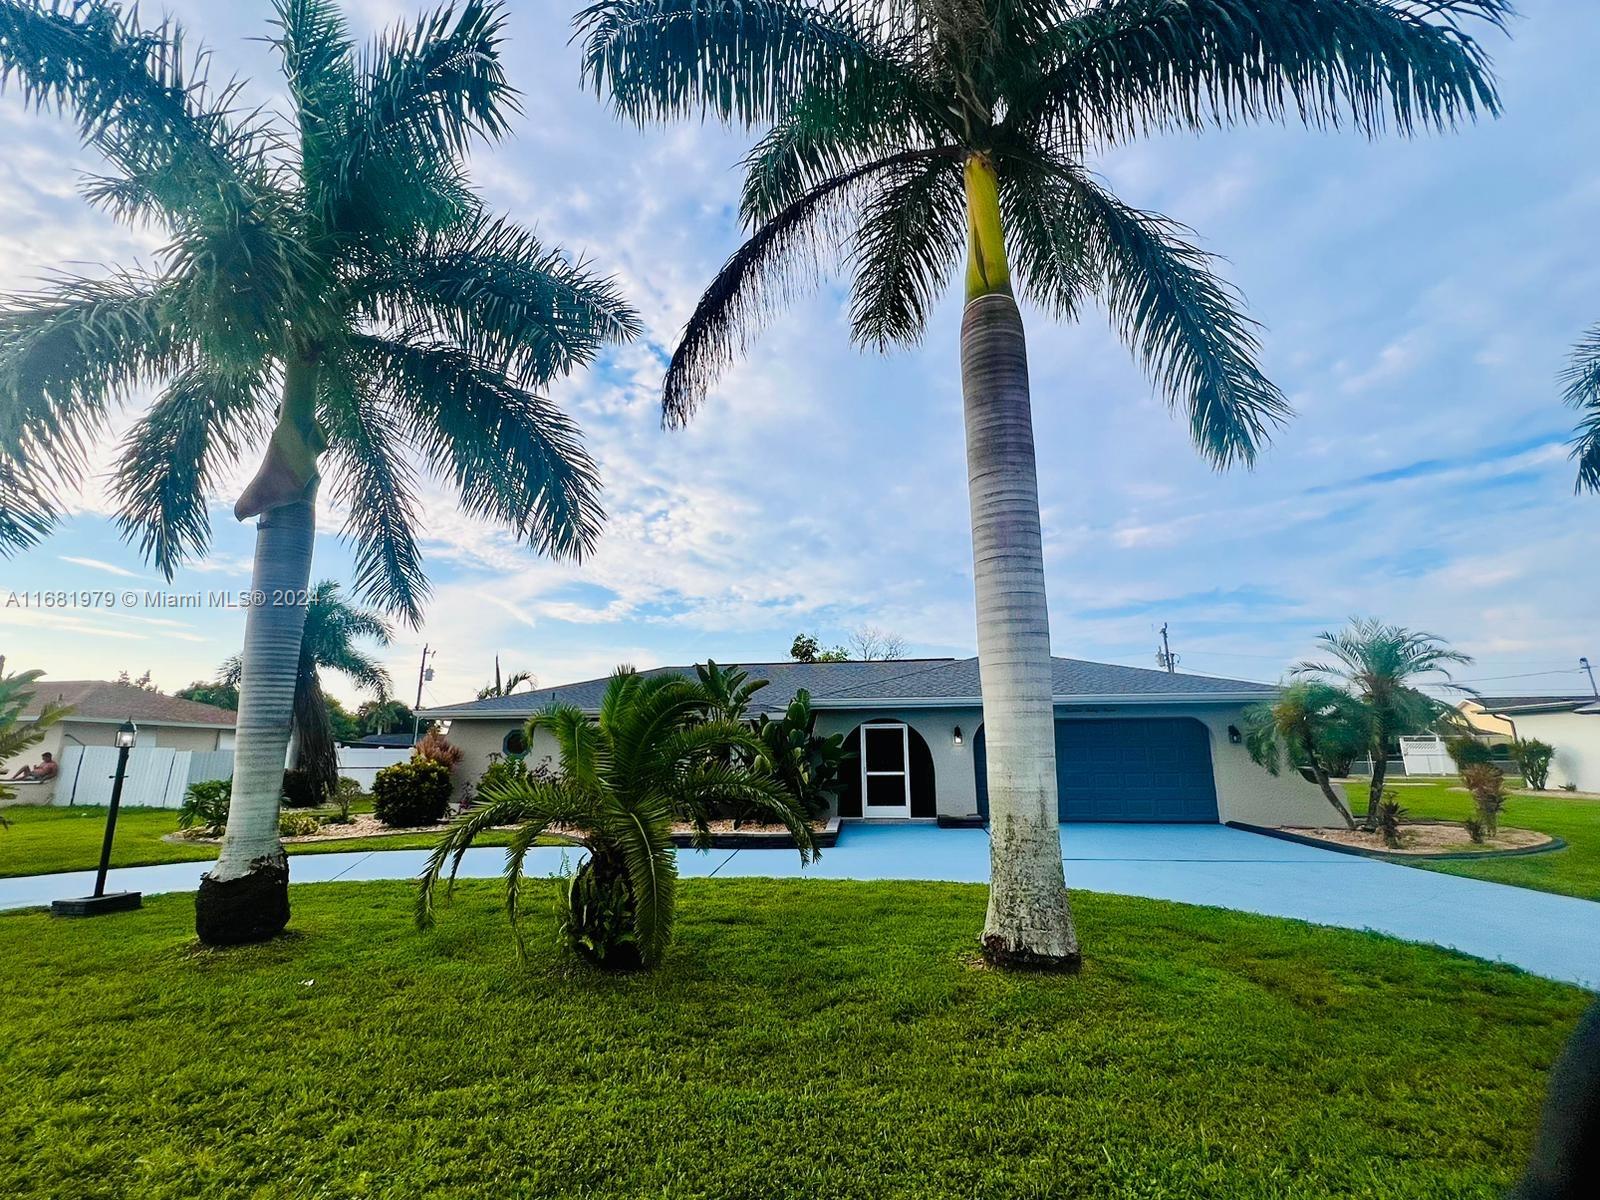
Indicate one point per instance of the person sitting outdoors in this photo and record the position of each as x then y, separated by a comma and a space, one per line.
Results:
46, 769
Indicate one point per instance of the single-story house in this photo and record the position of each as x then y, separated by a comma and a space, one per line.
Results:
99, 706
1131, 744
1569, 723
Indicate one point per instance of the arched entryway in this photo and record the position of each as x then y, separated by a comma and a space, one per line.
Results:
891, 774
1155, 769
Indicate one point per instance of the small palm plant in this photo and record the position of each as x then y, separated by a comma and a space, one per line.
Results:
900, 137
1382, 665
650, 756
332, 294
1582, 377
1318, 723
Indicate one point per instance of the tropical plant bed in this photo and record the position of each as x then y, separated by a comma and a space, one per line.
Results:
801, 1039
1425, 838
724, 834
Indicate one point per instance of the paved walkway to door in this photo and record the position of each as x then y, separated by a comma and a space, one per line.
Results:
1554, 936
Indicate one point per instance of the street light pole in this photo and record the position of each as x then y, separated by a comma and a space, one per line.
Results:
100, 901
1584, 663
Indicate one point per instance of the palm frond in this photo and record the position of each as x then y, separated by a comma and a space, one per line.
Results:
584, 755
444, 861
742, 60
1582, 377
65, 357
1123, 67
758, 279
318, 64
1183, 323
141, 100
1053, 251
907, 245
424, 92
513, 456
377, 488
641, 831
488, 285
170, 459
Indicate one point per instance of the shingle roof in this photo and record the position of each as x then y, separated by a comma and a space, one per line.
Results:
941, 680
105, 700
1500, 704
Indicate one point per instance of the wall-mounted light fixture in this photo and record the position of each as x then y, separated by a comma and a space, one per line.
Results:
1234, 735
955, 735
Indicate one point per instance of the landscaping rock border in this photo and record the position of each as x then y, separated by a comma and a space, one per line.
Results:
1283, 835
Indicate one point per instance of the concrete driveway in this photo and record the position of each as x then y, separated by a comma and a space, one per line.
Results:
1554, 936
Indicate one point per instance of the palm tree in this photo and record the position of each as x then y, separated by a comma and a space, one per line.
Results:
335, 294
651, 755
384, 716
329, 642
16, 735
1318, 723
1582, 378
504, 687
1382, 666
898, 133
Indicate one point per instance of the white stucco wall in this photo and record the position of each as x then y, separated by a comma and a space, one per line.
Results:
1576, 738
1244, 791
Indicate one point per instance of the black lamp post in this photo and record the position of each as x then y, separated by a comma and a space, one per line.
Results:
101, 901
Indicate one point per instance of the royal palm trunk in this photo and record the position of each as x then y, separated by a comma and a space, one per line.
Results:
1029, 921
245, 897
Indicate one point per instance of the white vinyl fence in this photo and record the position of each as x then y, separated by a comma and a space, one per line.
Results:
157, 776
1426, 756
362, 763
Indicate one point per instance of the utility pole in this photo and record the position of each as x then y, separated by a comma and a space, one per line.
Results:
1164, 656
424, 673
1584, 663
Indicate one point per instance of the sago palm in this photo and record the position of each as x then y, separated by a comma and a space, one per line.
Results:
330, 641
331, 294
900, 134
652, 755
1582, 377
1383, 666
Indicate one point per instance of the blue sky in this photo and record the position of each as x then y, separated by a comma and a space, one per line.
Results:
1417, 299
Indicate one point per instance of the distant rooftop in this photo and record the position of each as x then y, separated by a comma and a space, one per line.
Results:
107, 700
893, 681
1512, 705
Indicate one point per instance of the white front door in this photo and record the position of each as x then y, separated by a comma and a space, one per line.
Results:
885, 771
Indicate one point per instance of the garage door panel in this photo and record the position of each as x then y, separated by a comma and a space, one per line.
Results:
1128, 769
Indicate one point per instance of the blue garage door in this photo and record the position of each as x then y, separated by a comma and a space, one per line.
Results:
1135, 769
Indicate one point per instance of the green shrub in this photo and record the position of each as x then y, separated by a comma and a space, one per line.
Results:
300, 789
205, 806
1487, 783
1569, 787
1467, 751
411, 793
297, 824
1391, 818
1534, 756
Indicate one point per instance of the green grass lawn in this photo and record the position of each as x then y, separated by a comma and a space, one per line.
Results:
1574, 871
803, 1038
43, 840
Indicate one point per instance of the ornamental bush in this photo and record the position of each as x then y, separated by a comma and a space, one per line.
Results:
1534, 756
411, 793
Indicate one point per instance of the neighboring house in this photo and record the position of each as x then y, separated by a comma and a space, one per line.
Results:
1569, 723
1131, 744
99, 706
1485, 724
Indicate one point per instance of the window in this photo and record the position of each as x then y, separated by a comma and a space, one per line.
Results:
515, 744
